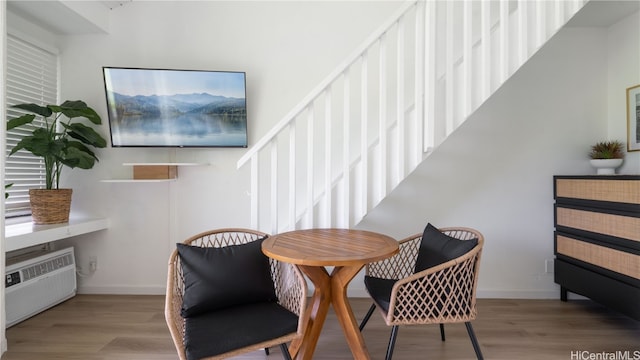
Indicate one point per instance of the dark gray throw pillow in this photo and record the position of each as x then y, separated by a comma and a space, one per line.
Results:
437, 248
217, 278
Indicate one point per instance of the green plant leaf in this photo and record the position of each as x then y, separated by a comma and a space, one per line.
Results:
75, 157
19, 121
78, 108
74, 104
42, 144
35, 108
19, 146
81, 147
85, 134
6, 186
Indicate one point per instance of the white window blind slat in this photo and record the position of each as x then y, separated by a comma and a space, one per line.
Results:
32, 77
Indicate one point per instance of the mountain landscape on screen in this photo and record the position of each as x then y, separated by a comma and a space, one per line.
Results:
202, 103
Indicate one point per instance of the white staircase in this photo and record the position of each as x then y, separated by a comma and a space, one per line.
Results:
363, 129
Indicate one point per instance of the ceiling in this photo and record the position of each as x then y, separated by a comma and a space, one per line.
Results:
64, 17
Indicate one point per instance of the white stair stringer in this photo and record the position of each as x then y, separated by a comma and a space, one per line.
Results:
400, 94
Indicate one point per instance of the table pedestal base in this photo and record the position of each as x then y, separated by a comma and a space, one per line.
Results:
329, 288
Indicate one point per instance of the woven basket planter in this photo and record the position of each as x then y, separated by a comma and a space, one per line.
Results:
50, 206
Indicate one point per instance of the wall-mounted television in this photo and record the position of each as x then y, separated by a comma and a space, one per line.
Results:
176, 108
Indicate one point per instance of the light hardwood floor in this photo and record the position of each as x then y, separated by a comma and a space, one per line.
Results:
93, 327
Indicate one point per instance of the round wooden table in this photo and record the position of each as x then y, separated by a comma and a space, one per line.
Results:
348, 251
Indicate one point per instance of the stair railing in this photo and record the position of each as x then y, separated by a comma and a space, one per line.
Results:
368, 124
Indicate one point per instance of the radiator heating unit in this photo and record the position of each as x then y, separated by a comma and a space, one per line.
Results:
37, 281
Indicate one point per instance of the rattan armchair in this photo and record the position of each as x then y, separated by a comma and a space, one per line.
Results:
445, 293
290, 290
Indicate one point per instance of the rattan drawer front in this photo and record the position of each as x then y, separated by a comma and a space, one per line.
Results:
615, 260
625, 227
624, 191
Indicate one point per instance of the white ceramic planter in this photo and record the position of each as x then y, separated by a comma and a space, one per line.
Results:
606, 166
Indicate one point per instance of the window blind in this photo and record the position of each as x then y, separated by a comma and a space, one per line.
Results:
32, 77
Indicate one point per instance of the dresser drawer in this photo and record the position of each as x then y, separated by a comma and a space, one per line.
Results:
619, 191
609, 224
618, 261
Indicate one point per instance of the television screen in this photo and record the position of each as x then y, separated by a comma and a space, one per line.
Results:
176, 108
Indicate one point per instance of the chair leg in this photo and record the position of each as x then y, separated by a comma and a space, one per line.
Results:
366, 317
474, 341
266, 351
392, 342
442, 332
285, 351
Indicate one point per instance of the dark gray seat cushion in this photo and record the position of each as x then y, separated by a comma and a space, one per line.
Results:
221, 331
380, 290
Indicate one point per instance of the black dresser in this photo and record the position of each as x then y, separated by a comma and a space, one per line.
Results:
597, 239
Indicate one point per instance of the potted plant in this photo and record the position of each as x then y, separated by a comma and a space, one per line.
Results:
60, 141
606, 156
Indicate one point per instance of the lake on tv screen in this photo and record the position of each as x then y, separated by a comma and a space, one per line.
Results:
188, 119
180, 130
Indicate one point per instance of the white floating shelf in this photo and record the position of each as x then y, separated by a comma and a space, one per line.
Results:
137, 180
153, 172
165, 164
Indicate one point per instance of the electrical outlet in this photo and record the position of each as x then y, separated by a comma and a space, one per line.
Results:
93, 264
548, 266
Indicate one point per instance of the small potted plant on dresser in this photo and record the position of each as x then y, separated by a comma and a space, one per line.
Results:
59, 141
606, 156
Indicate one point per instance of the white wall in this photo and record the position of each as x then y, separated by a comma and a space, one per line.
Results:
286, 48
495, 172
623, 42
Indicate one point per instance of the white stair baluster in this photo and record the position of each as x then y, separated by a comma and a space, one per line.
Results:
559, 14
418, 93
328, 180
274, 187
292, 216
400, 108
346, 153
382, 125
467, 59
448, 75
485, 43
310, 167
364, 138
430, 76
522, 32
254, 195
504, 40
540, 23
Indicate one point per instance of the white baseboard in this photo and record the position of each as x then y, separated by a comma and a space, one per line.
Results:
493, 294
525, 294
518, 294
355, 292
122, 290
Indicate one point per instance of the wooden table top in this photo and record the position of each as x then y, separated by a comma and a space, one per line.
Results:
329, 247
